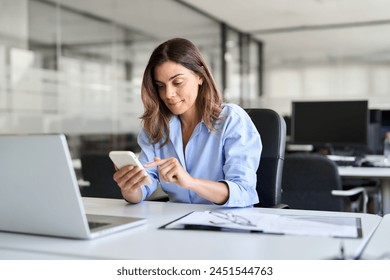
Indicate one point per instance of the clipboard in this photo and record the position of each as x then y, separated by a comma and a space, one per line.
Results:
249, 222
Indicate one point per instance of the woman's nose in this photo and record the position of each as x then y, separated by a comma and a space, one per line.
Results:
169, 91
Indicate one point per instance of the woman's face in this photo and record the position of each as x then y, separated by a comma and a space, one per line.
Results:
178, 87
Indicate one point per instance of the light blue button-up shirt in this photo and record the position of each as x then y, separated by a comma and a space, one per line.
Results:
230, 154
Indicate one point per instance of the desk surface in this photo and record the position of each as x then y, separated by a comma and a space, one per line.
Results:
379, 245
149, 242
362, 172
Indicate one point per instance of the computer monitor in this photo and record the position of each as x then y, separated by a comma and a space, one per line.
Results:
385, 122
375, 139
337, 124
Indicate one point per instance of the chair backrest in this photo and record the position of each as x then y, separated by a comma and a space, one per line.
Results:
272, 129
98, 170
308, 180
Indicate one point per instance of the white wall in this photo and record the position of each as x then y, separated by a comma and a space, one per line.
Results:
327, 81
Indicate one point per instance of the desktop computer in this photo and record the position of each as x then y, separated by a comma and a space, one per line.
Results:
332, 127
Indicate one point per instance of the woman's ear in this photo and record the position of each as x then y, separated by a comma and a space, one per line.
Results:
200, 81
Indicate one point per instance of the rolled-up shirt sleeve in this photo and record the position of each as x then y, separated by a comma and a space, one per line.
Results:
147, 155
242, 151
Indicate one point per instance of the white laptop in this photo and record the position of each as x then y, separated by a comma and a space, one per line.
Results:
39, 193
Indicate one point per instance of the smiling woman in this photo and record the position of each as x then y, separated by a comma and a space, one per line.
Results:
178, 89
192, 144
180, 63
176, 85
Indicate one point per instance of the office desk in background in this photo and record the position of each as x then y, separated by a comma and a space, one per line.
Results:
147, 242
382, 173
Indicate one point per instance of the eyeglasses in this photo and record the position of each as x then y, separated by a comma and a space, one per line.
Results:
231, 218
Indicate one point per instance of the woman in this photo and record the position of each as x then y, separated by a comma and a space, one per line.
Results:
198, 149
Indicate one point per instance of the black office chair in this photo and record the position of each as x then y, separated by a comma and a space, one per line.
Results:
98, 170
272, 129
312, 182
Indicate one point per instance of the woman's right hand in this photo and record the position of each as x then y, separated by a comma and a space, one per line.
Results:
130, 179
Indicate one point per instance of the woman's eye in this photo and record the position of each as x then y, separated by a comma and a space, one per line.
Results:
178, 83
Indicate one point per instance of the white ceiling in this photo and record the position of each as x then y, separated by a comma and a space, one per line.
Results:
288, 28
301, 27
146, 16
254, 15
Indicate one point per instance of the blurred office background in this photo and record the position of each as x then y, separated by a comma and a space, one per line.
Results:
75, 66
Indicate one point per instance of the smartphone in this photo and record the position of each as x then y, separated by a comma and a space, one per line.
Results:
123, 158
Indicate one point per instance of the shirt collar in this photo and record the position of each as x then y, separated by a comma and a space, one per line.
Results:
175, 124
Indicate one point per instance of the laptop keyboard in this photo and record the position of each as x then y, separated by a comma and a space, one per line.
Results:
93, 225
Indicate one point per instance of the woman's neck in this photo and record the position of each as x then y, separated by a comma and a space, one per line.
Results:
188, 124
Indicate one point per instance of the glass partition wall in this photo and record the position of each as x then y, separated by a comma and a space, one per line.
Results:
75, 67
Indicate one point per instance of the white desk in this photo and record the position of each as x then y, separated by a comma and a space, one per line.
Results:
382, 173
379, 245
148, 242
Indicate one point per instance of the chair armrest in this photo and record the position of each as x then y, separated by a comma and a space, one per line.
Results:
281, 206
352, 192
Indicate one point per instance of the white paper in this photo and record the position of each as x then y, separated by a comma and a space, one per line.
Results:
271, 223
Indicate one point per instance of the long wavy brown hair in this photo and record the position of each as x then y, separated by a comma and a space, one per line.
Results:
156, 116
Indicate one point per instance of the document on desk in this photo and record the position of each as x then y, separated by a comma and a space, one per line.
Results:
347, 227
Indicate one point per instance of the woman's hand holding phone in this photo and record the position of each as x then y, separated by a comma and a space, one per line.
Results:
127, 158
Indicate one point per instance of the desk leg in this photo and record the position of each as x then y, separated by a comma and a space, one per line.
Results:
385, 196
